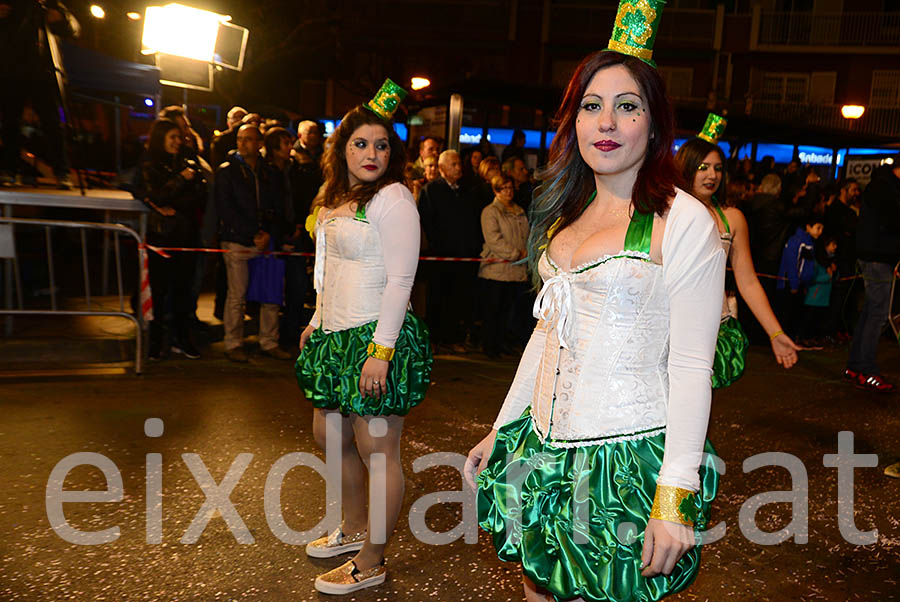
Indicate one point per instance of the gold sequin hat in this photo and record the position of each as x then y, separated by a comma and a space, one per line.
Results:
389, 97
634, 31
713, 128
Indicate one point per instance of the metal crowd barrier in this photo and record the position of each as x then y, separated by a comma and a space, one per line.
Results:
12, 273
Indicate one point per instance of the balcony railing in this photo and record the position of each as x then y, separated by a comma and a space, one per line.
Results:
876, 121
573, 22
847, 29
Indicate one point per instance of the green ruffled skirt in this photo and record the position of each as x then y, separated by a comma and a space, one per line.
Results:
329, 366
575, 517
731, 353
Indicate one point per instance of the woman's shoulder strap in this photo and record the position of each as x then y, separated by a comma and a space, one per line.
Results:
640, 233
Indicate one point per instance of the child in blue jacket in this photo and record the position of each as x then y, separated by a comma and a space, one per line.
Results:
797, 272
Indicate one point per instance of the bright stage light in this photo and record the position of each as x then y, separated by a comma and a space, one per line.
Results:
181, 31
417, 83
134, 16
852, 111
97, 11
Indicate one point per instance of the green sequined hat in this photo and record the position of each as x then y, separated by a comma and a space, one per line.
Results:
389, 97
713, 128
635, 28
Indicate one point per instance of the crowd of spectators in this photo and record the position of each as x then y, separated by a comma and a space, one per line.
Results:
262, 182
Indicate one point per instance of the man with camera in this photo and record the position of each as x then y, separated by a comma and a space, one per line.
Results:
28, 72
249, 196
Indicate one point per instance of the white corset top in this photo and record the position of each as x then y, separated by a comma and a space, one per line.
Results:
613, 316
353, 268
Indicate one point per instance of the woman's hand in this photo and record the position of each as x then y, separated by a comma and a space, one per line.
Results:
785, 350
304, 336
373, 378
478, 457
664, 544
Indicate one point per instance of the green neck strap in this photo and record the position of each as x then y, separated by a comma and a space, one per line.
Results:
361, 213
724, 219
640, 232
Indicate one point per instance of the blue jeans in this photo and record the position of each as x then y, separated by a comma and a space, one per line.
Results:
876, 308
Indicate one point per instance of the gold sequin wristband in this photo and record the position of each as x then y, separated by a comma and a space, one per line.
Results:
380, 351
670, 503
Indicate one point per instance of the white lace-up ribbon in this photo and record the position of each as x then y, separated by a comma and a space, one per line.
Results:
319, 267
555, 303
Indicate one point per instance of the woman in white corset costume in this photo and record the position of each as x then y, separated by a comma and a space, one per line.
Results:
594, 476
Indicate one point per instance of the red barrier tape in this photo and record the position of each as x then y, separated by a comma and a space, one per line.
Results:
162, 251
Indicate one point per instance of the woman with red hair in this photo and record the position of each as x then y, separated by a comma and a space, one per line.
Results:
594, 476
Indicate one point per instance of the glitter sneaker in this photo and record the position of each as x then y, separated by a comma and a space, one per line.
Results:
335, 544
347, 578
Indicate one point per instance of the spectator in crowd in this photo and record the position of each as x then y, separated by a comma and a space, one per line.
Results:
486, 148
878, 249
796, 272
817, 326
249, 201
515, 148
430, 166
745, 170
488, 169
429, 147
192, 145
300, 183
841, 223
792, 178
225, 142
471, 158
505, 230
27, 72
254, 119
769, 220
174, 188
308, 147
764, 168
450, 220
515, 168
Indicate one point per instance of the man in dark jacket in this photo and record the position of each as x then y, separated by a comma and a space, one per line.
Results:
878, 250
226, 141
27, 71
452, 225
249, 202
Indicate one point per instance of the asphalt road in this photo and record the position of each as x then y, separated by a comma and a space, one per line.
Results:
219, 410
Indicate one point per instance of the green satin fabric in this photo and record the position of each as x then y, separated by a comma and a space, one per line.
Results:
731, 353
526, 501
640, 233
329, 366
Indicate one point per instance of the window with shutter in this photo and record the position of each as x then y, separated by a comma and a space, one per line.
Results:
885, 88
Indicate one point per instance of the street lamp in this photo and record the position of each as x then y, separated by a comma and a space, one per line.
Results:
852, 111
418, 83
97, 11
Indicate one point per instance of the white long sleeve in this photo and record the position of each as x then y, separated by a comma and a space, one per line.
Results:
694, 276
521, 391
393, 213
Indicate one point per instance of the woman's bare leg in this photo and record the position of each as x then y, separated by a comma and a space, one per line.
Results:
353, 472
378, 443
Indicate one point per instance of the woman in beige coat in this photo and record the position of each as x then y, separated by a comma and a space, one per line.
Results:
505, 229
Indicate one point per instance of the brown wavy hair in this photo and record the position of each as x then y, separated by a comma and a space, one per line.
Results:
334, 161
568, 181
691, 155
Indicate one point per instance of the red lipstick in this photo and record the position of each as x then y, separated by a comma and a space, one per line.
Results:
606, 145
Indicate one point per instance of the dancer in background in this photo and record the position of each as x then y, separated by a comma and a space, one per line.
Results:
364, 359
702, 164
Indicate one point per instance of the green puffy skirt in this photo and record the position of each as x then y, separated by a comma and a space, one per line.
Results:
731, 353
329, 366
575, 517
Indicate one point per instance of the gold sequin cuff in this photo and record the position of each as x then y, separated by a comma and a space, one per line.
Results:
380, 351
675, 505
